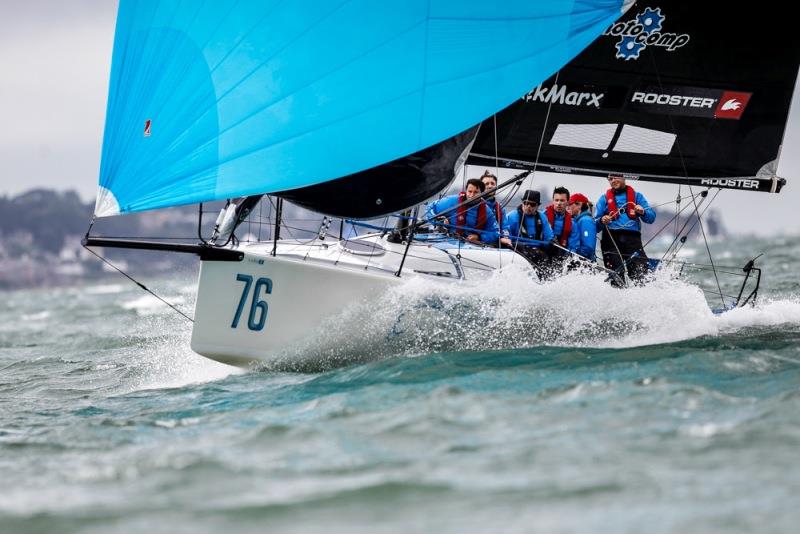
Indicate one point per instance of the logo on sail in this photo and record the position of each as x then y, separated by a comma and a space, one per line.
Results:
731, 105
690, 101
644, 30
560, 94
731, 183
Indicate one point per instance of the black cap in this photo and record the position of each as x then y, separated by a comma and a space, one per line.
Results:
532, 196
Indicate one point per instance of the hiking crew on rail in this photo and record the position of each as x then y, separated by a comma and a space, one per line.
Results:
471, 220
528, 222
620, 213
566, 230
583, 239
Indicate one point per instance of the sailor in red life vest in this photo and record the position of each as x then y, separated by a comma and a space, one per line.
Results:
474, 221
560, 221
490, 181
619, 212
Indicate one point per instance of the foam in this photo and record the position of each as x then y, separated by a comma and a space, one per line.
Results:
168, 362
512, 309
150, 305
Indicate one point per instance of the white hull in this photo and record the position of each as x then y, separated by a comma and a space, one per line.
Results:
267, 307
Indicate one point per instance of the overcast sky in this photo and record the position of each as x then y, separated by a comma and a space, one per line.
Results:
55, 59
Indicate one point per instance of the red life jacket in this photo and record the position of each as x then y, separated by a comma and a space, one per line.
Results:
461, 214
551, 216
612, 203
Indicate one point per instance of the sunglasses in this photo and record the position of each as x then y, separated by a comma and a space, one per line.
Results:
528, 203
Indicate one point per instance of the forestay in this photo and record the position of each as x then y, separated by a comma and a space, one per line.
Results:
212, 100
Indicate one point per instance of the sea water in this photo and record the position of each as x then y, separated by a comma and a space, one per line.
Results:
509, 406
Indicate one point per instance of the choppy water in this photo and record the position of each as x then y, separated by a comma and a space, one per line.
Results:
623, 411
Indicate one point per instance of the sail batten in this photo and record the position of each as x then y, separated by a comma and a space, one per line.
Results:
211, 100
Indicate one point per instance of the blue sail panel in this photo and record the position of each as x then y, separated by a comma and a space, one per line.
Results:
213, 100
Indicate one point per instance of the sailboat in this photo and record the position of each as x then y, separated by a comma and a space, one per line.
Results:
356, 110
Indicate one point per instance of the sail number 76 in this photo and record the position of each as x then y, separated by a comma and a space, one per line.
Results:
258, 307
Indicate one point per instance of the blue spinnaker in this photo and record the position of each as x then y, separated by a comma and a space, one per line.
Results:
211, 100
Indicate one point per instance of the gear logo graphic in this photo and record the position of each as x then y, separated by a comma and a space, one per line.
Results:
628, 48
644, 30
651, 20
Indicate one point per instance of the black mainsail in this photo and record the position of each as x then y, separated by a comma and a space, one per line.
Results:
664, 95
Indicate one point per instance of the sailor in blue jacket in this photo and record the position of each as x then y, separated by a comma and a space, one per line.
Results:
490, 181
583, 238
620, 213
529, 223
474, 221
534, 223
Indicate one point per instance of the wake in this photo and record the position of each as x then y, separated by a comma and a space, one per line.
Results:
512, 310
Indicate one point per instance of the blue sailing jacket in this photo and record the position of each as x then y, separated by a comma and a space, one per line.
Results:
583, 238
624, 222
513, 219
491, 203
558, 223
490, 232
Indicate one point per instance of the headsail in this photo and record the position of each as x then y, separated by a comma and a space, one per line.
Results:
677, 92
211, 100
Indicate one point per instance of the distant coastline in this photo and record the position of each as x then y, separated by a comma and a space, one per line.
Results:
41, 232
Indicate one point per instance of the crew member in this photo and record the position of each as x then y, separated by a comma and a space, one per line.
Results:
473, 220
583, 239
620, 212
559, 218
490, 182
529, 223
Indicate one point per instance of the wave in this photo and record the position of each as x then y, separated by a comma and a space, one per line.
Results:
103, 289
150, 305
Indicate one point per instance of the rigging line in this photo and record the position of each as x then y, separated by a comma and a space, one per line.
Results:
707, 266
674, 218
260, 210
686, 175
496, 159
585, 261
321, 233
621, 258
677, 205
544, 127
375, 244
538, 154
536, 161
141, 285
712, 291
676, 201
187, 238
708, 249
680, 240
341, 248
683, 242
290, 228
497, 200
